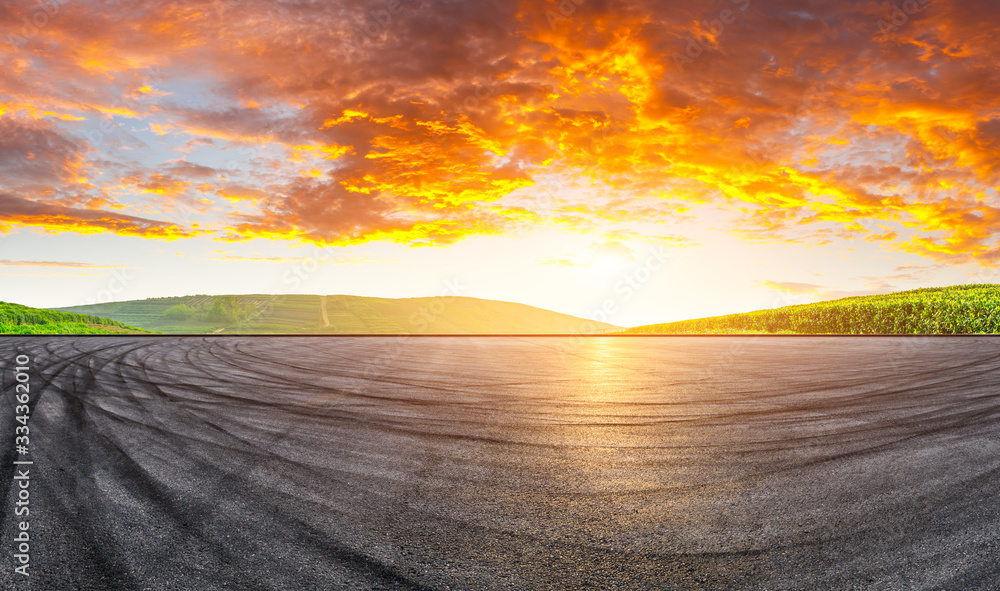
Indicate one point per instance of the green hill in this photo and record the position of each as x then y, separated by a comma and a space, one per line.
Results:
18, 319
961, 309
337, 314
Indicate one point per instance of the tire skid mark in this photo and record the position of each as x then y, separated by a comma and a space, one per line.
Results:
226, 412
40, 383
102, 550
143, 483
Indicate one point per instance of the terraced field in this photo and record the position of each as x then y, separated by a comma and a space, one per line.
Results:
304, 314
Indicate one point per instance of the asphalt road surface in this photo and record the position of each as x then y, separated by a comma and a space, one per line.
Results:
505, 463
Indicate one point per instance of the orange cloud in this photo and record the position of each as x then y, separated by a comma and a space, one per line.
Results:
808, 122
10, 263
51, 217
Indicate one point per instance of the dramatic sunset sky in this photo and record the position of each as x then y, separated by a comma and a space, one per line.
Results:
676, 158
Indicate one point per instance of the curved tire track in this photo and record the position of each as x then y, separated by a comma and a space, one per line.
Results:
502, 463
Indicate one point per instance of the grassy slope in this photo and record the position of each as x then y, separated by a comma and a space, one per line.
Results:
349, 314
18, 319
961, 309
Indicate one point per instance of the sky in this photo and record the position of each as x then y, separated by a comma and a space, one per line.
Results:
629, 161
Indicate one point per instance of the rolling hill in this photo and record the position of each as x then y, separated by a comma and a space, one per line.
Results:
18, 319
337, 314
960, 309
